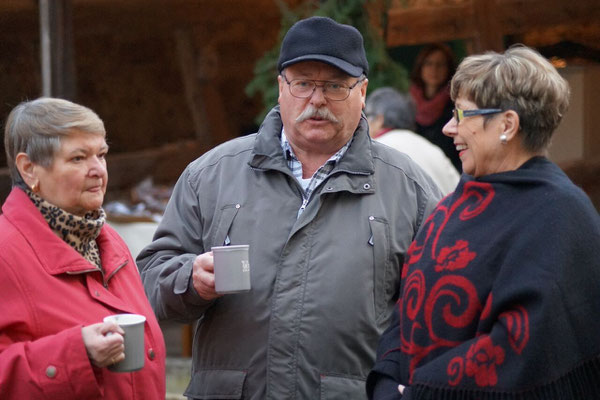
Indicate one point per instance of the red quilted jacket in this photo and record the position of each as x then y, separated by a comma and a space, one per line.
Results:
48, 291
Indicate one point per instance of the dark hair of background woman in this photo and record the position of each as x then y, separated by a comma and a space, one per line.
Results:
415, 75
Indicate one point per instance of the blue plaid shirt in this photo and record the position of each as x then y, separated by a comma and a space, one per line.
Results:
319, 176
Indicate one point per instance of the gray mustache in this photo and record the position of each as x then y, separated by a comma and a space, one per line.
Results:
311, 111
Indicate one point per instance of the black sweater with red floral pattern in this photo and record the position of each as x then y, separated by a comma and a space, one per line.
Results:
499, 297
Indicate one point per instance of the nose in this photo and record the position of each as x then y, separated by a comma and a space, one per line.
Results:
318, 96
97, 166
451, 128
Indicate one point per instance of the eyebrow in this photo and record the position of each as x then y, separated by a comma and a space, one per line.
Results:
85, 150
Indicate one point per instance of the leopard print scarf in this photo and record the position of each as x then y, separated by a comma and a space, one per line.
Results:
78, 232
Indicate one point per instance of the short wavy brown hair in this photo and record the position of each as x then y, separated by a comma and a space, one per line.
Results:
519, 79
36, 127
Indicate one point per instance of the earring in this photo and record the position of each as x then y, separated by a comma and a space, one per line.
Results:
503, 139
35, 187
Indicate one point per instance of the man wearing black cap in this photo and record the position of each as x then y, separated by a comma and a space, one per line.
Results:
329, 216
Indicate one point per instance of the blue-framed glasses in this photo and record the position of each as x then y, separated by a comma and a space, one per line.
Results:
459, 114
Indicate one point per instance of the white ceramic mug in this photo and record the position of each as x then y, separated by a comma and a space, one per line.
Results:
232, 268
133, 325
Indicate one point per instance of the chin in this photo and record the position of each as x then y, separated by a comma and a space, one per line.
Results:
95, 206
468, 170
92, 205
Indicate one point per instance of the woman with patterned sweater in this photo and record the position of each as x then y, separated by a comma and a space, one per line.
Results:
499, 297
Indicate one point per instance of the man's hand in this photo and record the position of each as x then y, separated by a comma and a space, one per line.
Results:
104, 343
203, 276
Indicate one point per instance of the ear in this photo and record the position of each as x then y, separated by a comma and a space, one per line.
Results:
282, 83
27, 169
510, 124
363, 92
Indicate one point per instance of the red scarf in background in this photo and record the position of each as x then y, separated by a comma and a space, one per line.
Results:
381, 133
429, 110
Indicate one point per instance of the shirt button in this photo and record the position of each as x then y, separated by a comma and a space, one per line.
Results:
97, 294
371, 218
151, 354
237, 206
367, 186
51, 371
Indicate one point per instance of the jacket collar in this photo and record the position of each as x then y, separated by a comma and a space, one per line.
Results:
267, 152
54, 254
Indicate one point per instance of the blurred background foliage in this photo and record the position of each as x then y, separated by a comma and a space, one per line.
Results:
384, 71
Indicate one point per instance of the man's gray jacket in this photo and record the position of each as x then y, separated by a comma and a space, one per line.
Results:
323, 283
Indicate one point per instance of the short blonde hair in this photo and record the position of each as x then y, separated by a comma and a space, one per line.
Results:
522, 80
36, 127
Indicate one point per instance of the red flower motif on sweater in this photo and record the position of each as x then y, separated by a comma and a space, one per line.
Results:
482, 359
412, 254
455, 257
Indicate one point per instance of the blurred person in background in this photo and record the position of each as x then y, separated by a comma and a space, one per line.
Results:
63, 269
430, 90
391, 117
499, 296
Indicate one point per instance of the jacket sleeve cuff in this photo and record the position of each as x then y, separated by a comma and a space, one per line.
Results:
184, 286
382, 382
384, 388
60, 365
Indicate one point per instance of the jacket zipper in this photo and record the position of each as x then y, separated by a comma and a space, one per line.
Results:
112, 274
304, 203
104, 278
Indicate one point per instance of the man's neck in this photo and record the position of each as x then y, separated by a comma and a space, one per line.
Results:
311, 158
310, 162
430, 91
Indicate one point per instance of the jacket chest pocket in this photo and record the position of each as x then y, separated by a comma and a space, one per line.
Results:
225, 219
382, 277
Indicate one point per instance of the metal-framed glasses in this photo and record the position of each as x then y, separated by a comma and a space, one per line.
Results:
459, 114
304, 88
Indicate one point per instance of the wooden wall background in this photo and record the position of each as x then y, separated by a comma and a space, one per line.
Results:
168, 76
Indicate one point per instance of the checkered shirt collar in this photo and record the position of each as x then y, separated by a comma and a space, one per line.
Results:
296, 166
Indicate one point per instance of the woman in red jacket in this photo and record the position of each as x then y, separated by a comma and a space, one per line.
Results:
63, 269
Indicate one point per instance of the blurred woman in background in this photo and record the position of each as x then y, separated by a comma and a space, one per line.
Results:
430, 78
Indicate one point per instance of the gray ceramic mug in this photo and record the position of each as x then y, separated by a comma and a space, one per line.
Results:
232, 268
133, 325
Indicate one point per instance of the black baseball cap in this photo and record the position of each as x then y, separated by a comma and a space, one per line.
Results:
323, 39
